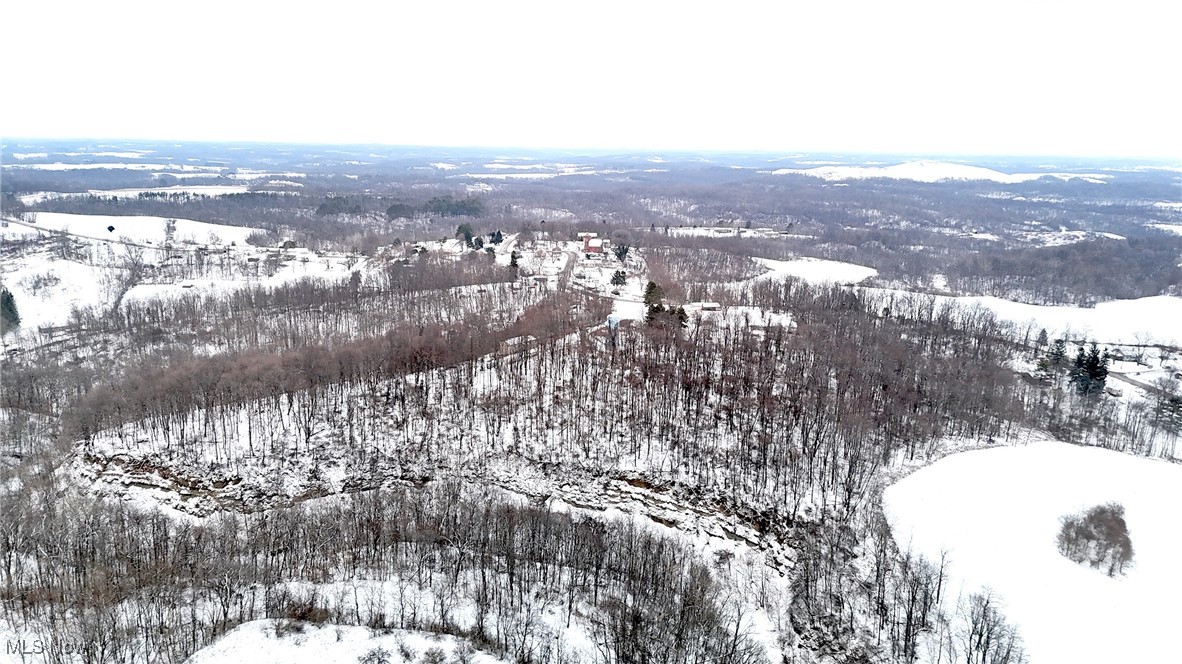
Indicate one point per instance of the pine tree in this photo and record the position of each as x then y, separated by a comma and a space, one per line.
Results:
1057, 353
1090, 370
653, 294
673, 318
1039, 343
465, 231
653, 315
10, 318
1097, 366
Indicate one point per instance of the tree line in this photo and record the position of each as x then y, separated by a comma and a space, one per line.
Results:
130, 585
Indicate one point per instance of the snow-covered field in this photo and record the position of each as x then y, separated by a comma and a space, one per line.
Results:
1063, 237
142, 229
1149, 319
1169, 228
817, 270
171, 169
195, 190
741, 316
46, 291
932, 171
48, 286
721, 231
996, 513
257, 642
302, 263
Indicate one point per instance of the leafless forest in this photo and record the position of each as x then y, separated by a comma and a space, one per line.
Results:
385, 446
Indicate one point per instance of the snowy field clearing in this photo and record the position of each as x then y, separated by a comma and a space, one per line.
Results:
171, 169
46, 290
1154, 319
816, 270
932, 171
721, 231
511, 176
750, 316
304, 263
1169, 228
1063, 237
543, 213
48, 286
521, 167
133, 154
996, 513
628, 310
254, 174
196, 190
256, 642
143, 229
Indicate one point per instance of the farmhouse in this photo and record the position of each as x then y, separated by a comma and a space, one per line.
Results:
593, 244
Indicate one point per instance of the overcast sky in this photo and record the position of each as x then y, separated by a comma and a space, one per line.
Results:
997, 77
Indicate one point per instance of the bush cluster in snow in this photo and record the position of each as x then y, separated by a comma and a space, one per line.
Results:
1098, 537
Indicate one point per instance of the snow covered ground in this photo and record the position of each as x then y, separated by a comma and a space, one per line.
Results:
1169, 228
720, 231
817, 270
302, 263
172, 169
48, 286
195, 190
139, 229
932, 171
47, 290
1155, 319
996, 513
257, 642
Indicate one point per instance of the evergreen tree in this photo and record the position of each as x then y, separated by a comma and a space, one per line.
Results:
1090, 370
653, 294
1097, 365
10, 318
1057, 353
1039, 344
1042, 338
619, 278
666, 317
681, 316
654, 312
465, 231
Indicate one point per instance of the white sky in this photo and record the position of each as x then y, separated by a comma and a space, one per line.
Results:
996, 77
